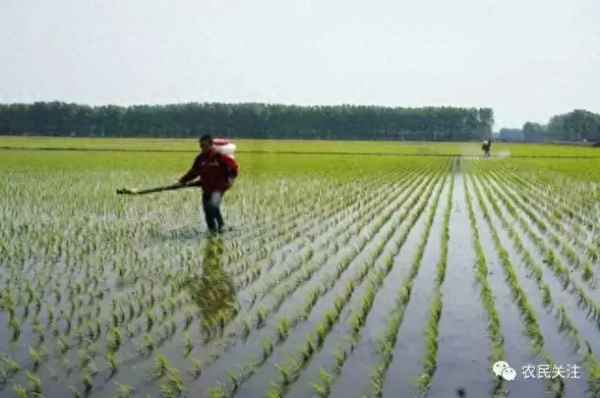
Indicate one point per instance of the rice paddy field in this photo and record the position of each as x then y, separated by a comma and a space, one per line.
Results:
350, 269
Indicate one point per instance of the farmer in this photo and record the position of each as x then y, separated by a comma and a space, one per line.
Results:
215, 173
486, 147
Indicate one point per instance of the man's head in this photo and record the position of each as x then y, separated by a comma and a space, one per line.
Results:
206, 142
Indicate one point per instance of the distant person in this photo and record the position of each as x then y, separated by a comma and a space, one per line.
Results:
486, 147
215, 173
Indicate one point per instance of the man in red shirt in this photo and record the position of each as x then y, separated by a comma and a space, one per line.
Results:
215, 173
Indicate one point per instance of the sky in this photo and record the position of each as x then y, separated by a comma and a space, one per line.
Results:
526, 59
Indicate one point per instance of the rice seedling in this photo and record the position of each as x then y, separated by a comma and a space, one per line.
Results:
161, 365
20, 391
172, 386
323, 388
196, 370
88, 381
36, 357
35, 383
124, 391
114, 339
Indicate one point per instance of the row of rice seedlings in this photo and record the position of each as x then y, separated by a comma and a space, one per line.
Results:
338, 227
487, 297
95, 334
431, 332
387, 341
274, 280
573, 258
256, 270
591, 363
150, 345
561, 244
283, 291
324, 327
531, 324
554, 263
338, 194
383, 217
550, 258
566, 326
291, 371
357, 320
570, 205
554, 217
274, 242
535, 271
309, 305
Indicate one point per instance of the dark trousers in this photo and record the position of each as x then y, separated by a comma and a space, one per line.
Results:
211, 203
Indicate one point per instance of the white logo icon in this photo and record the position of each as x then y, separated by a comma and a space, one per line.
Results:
504, 370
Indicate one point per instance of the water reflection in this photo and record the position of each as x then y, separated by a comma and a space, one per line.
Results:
213, 290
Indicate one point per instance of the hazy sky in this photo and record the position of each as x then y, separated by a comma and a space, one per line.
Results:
527, 59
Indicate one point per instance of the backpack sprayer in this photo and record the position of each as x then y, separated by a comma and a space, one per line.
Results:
221, 145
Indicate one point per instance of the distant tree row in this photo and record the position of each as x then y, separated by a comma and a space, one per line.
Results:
248, 120
578, 125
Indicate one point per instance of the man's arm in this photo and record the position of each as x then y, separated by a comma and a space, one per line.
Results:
191, 174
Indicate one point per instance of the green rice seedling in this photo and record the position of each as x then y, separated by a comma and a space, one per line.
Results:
35, 383
261, 315
148, 344
188, 345
245, 329
84, 357
15, 327
9, 367
50, 316
189, 318
321, 334
587, 272
217, 392
196, 370
20, 391
283, 328
114, 339
307, 350
150, 318
330, 318
111, 359
546, 296
130, 331
161, 365
267, 348
285, 374
323, 388
36, 357
274, 392
123, 391
88, 381
173, 386
234, 380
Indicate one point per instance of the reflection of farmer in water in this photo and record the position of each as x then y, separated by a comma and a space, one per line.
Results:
486, 147
213, 290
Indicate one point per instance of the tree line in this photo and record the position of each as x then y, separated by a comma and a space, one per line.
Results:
247, 120
578, 125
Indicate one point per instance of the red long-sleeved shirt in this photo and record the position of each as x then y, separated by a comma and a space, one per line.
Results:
214, 169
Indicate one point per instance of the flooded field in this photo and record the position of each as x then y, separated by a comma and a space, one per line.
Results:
343, 275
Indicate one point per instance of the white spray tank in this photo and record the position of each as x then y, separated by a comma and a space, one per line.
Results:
224, 147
